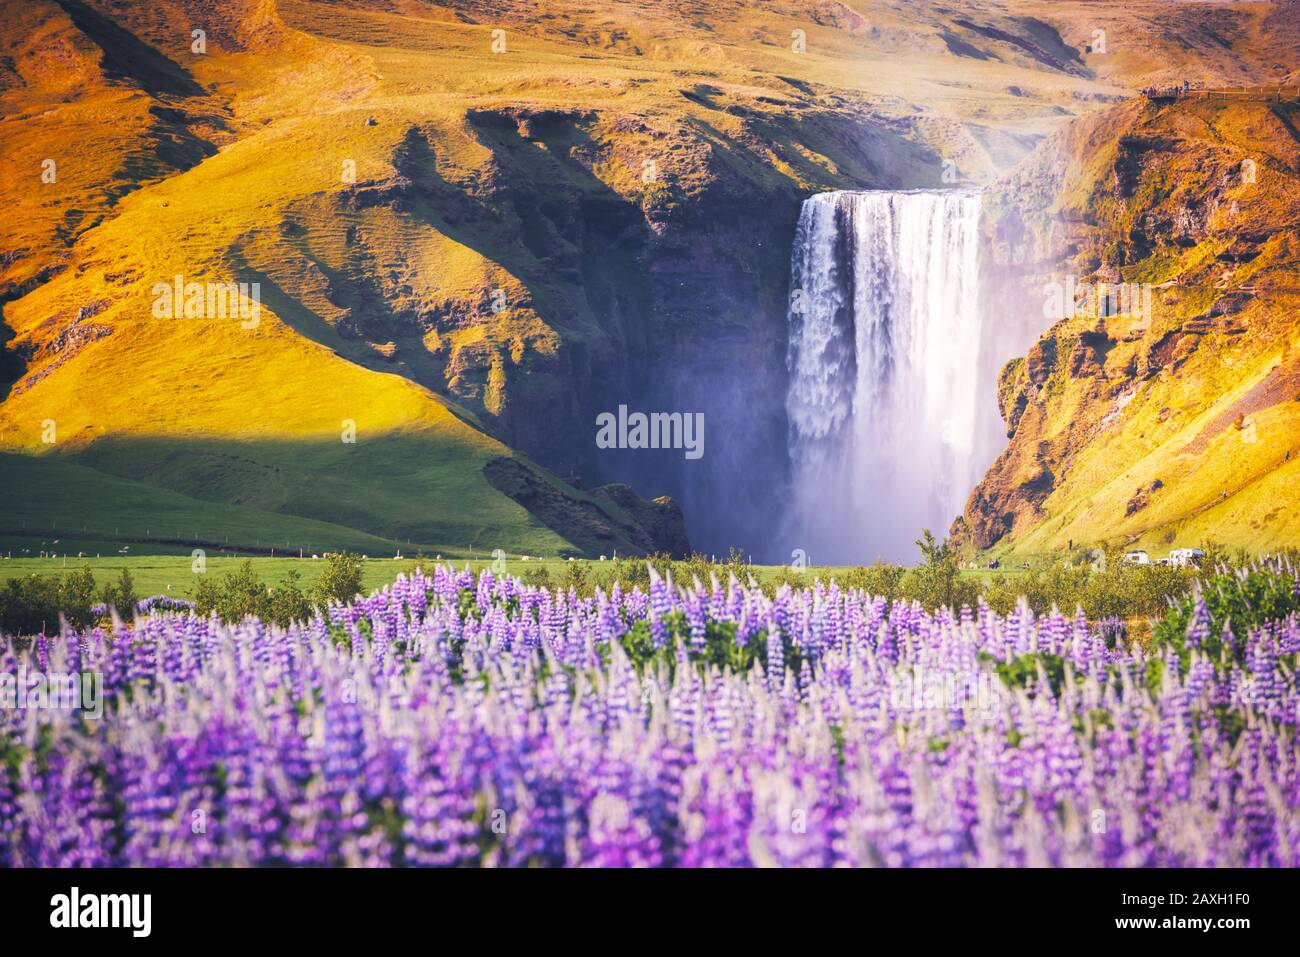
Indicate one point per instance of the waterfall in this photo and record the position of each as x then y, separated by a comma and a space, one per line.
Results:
884, 365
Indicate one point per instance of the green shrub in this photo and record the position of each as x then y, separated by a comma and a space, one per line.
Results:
234, 596
576, 577
938, 581
1240, 599
239, 594
31, 605
885, 581
288, 601
1110, 590
121, 596
340, 581
536, 576
77, 596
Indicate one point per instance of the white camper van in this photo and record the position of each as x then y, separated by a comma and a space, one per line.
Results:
1137, 557
1186, 556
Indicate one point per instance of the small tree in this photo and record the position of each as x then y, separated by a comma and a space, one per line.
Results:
76, 595
340, 581
937, 580
288, 602
234, 597
122, 595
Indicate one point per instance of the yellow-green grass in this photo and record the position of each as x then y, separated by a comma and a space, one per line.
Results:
1240, 488
175, 574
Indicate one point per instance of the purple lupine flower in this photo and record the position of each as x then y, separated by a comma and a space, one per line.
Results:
520, 732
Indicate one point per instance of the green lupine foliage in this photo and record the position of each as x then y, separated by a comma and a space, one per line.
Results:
467, 608
1021, 670
837, 736
721, 650
1242, 599
1155, 674
1024, 670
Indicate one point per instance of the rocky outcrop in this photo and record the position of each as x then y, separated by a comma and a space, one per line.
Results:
611, 521
661, 519
607, 258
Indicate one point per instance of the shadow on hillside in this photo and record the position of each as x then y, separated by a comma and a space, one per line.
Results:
294, 313
689, 291
550, 222
12, 365
679, 304
574, 244
290, 310
169, 147
416, 489
1038, 40
126, 57
863, 154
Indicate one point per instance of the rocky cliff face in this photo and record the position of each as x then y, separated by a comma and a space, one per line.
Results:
607, 258
1164, 406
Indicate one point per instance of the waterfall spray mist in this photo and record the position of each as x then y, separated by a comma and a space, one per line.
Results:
885, 333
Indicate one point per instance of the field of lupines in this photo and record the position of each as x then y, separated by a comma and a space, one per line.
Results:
475, 721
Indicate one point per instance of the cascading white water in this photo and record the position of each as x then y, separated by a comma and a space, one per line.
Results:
884, 370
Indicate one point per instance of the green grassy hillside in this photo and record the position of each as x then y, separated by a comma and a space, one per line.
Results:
87, 510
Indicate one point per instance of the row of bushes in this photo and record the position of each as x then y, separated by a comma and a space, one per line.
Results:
33, 604
1104, 589
238, 594
1220, 612
1099, 582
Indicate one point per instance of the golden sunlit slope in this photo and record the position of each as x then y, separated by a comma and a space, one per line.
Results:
248, 410
75, 137
1164, 42
470, 225
1169, 429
